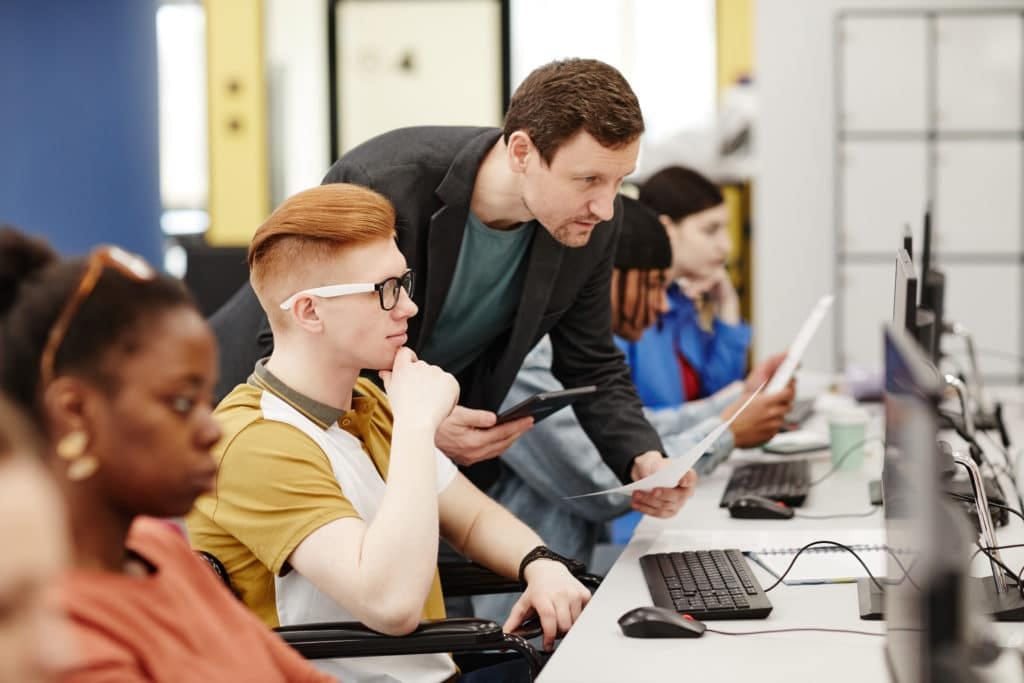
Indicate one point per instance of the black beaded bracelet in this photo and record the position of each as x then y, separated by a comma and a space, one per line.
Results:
542, 552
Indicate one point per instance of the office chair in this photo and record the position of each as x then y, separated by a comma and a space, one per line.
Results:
462, 635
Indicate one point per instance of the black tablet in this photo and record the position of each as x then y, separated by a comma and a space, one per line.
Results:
541, 405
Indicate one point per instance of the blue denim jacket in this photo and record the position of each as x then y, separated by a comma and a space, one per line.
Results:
719, 357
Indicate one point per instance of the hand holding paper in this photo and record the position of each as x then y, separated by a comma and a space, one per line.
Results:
669, 475
664, 501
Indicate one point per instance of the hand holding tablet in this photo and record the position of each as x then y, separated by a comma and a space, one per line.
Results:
541, 405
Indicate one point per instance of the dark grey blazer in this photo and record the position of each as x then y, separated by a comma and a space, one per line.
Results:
429, 173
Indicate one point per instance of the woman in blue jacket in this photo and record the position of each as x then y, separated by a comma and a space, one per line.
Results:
700, 345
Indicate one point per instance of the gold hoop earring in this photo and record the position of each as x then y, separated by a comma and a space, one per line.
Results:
82, 468
73, 445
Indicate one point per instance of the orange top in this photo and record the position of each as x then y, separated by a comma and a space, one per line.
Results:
179, 624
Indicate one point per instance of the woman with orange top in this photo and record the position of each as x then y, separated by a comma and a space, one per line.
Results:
115, 364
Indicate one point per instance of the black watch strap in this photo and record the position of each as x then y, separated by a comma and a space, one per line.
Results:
542, 552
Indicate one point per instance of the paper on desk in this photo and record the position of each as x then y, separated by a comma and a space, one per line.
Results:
669, 476
796, 350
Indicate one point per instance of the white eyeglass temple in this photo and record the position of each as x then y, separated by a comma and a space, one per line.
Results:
328, 292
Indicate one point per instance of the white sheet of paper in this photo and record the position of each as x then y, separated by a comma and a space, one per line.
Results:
669, 476
785, 371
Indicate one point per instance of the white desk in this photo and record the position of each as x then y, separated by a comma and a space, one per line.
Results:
595, 651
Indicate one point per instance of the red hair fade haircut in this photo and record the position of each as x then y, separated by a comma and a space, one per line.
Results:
315, 224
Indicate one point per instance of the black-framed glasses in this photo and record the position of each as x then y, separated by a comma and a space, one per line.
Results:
128, 264
389, 290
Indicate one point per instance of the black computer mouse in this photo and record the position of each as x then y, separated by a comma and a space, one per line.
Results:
756, 507
659, 622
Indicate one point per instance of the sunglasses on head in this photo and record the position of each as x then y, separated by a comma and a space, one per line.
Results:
128, 264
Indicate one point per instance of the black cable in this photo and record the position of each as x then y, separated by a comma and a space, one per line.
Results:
843, 515
1002, 451
999, 506
1010, 468
837, 463
983, 457
1002, 565
1008, 572
792, 630
982, 549
833, 543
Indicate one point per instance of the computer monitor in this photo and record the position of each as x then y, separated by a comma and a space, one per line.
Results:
926, 240
904, 298
906, 314
927, 567
933, 287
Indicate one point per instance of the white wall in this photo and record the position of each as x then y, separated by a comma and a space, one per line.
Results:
793, 250
664, 48
297, 92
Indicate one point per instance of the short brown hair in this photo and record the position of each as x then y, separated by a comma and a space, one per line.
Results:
315, 224
562, 97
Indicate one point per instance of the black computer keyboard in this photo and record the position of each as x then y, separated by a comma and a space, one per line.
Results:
706, 584
786, 482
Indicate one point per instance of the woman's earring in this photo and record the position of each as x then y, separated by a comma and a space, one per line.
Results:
73, 445
82, 468
72, 448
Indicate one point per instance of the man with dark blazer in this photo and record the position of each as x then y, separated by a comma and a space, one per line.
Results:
511, 235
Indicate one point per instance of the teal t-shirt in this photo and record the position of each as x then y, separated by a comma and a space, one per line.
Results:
483, 297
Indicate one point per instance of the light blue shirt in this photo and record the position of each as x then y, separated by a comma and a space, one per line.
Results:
483, 297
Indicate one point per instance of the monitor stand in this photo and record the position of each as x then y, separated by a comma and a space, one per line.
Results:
1006, 606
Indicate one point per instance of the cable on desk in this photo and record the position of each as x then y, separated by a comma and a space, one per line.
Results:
998, 506
1010, 469
852, 631
1017, 578
836, 464
841, 515
1002, 451
847, 548
982, 549
988, 553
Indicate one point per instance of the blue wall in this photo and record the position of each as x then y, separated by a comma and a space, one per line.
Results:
78, 122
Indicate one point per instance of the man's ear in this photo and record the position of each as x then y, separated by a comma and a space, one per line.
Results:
665, 220
520, 148
305, 315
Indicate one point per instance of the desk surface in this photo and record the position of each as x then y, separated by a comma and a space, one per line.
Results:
595, 650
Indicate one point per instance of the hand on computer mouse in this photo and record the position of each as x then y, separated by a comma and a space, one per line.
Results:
756, 507
659, 622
